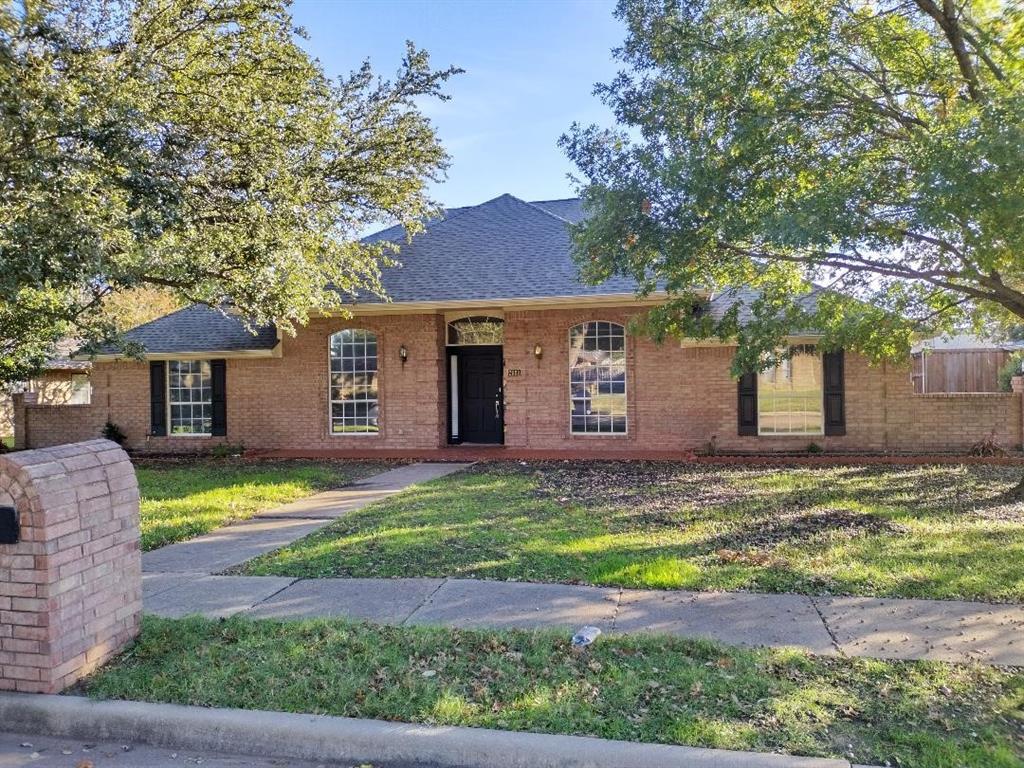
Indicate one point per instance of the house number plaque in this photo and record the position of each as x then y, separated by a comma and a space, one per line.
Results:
513, 372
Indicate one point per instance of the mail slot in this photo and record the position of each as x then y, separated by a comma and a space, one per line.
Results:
10, 530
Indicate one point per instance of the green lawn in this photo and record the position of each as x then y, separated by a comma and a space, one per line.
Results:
936, 531
655, 689
182, 498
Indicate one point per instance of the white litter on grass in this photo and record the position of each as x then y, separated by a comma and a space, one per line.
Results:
585, 636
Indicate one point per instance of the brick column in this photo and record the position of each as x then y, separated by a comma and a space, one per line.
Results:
71, 587
1017, 385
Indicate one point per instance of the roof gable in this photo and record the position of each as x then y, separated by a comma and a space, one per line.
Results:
505, 248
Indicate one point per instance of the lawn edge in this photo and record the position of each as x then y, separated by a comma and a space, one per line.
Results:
290, 736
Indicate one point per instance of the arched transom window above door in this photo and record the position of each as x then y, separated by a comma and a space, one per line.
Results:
597, 378
478, 330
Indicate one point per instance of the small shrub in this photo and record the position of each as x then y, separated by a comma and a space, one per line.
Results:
113, 432
988, 446
1012, 367
815, 448
225, 450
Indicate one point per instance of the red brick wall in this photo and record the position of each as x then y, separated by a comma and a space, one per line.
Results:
279, 402
71, 588
678, 398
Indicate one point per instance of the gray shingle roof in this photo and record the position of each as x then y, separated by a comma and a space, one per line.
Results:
570, 209
745, 296
505, 248
198, 328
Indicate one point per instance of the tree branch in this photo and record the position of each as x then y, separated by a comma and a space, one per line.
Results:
946, 279
945, 17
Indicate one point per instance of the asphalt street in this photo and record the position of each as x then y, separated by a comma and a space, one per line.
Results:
20, 750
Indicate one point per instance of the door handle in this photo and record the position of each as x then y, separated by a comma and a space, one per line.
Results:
497, 410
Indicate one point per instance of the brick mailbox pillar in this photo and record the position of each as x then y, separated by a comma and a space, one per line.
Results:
71, 583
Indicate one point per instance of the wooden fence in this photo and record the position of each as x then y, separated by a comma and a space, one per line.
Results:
960, 370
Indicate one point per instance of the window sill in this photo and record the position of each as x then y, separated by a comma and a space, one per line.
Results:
964, 395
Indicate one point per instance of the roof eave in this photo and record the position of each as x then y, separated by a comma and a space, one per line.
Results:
540, 302
202, 354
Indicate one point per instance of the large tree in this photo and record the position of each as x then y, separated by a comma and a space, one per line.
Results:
872, 148
192, 145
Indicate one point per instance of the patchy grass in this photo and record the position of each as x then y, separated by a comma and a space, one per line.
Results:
183, 498
936, 532
653, 689
7, 441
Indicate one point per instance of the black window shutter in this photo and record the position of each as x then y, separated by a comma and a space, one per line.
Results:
218, 375
746, 410
157, 397
835, 393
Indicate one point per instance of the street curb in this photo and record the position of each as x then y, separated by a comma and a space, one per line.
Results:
319, 737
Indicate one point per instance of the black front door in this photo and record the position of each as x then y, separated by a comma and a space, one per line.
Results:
477, 413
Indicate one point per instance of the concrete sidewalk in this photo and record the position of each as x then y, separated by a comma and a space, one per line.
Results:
181, 579
854, 626
234, 544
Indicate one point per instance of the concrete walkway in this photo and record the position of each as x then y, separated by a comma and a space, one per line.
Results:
234, 544
181, 579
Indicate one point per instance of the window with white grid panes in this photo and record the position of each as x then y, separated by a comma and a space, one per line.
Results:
354, 380
597, 378
189, 397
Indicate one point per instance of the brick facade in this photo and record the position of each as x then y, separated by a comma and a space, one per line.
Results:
71, 588
679, 398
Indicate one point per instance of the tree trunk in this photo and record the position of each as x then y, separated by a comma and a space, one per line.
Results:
1016, 493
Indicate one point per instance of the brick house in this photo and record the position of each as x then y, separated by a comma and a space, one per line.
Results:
491, 339
63, 381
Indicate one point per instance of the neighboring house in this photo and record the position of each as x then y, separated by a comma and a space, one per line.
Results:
63, 381
490, 338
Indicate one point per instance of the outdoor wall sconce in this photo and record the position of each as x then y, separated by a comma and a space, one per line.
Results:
538, 351
403, 354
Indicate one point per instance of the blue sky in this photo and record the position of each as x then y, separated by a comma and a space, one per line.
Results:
530, 70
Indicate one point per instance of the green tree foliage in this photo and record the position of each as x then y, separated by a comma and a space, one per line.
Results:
870, 148
1013, 366
192, 145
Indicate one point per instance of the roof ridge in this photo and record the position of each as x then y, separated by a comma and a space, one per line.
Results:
447, 215
545, 211
465, 209
186, 308
554, 200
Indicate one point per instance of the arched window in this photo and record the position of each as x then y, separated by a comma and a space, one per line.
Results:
477, 330
597, 378
354, 380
